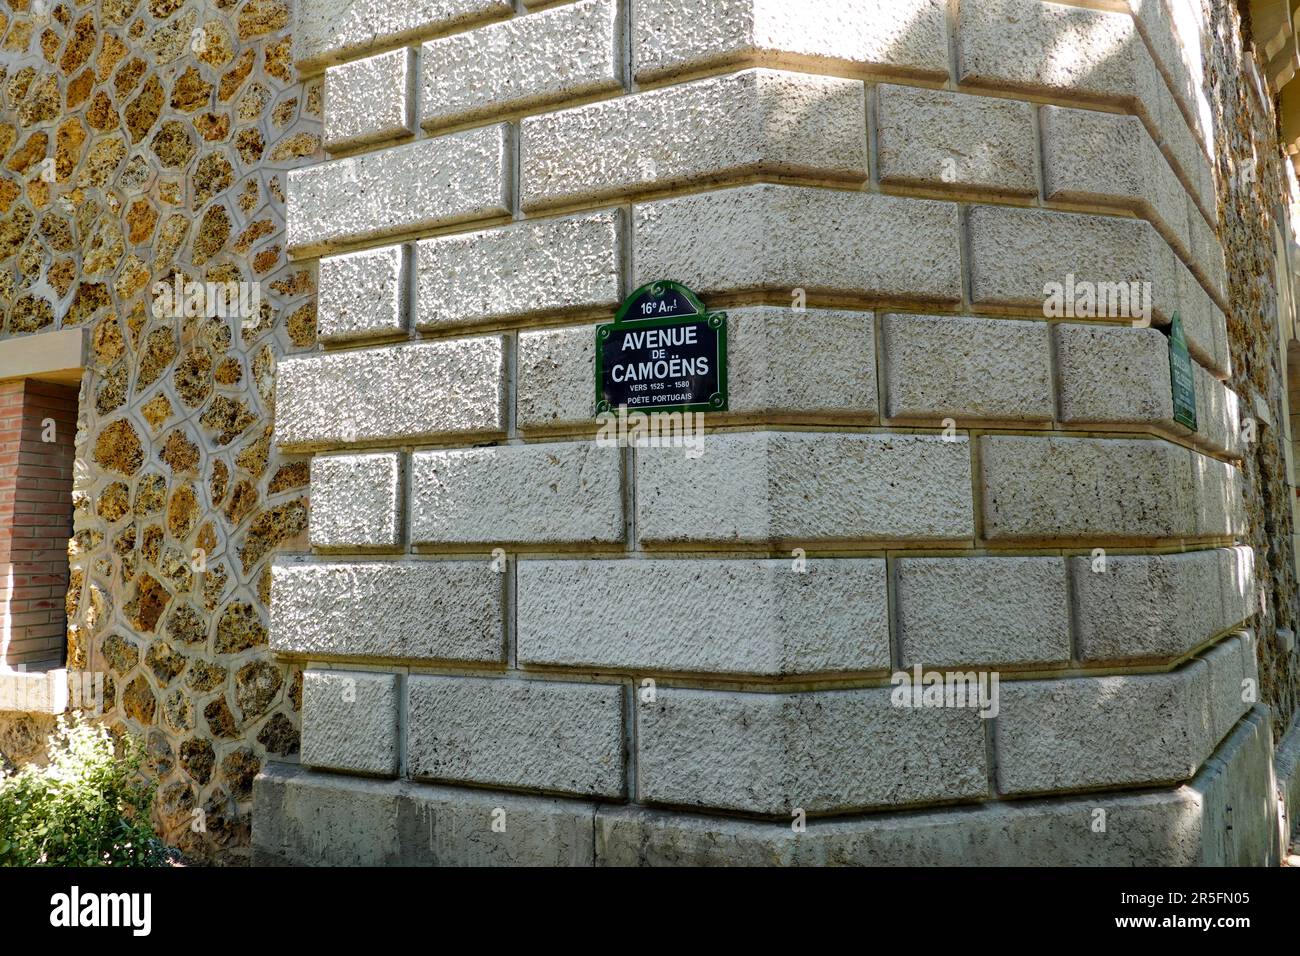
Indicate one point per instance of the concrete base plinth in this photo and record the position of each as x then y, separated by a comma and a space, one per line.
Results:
1226, 816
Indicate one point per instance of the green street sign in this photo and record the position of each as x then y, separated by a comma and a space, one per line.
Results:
1180, 375
663, 352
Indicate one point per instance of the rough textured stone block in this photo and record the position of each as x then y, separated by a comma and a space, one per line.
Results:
757, 121
356, 501
725, 616
1207, 252
966, 368
307, 818
1110, 159
541, 735
1218, 415
1153, 101
784, 362
349, 721
422, 185
1203, 322
533, 267
1250, 655
1237, 575
1220, 362
798, 486
1114, 374
893, 36
946, 140
362, 294
331, 30
982, 611
789, 237
1228, 687
535, 494
524, 62
1175, 43
822, 752
1149, 606
1051, 488
370, 100
417, 610
1017, 253
1015, 44
1218, 503
406, 392
780, 363
555, 372
1095, 732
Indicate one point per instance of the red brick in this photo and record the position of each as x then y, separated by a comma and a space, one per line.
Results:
59, 495
29, 618
29, 593
35, 515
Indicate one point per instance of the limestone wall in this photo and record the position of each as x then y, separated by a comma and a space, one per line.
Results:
559, 651
141, 140
523, 646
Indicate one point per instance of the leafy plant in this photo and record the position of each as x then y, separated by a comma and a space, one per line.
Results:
88, 807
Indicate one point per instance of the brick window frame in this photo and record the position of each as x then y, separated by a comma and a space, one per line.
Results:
39, 385
38, 423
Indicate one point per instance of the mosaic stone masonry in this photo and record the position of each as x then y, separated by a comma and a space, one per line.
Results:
147, 141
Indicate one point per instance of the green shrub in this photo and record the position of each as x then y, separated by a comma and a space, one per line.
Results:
89, 807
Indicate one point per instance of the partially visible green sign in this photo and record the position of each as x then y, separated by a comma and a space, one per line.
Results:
1180, 375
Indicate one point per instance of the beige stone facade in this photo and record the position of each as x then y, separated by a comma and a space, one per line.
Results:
950, 239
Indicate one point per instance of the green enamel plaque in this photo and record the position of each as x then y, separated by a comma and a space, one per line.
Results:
1180, 375
663, 352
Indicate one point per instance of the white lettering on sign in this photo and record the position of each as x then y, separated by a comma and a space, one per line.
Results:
671, 368
663, 308
660, 338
